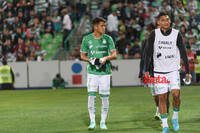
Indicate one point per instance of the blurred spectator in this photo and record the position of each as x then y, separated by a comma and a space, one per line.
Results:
20, 56
192, 61
94, 8
106, 10
85, 25
135, 51
58, 82
3, 4
40, 6
53, 5
40, 53
56, 21
49, 25
122, 43
191, 5
7, 77
32, 44
67, 26
20, 46
112, 24
7, 47
33, 56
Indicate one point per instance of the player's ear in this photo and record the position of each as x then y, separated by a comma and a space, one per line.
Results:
158, 22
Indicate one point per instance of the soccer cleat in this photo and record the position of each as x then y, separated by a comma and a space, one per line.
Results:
161, 124
157, 116
92, 126
165, 130
175, 125
103, 126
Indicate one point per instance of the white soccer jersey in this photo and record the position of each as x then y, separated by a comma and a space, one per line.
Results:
166, 53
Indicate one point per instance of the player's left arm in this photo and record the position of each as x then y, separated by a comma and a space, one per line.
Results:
183, 53
112, 56
111, 47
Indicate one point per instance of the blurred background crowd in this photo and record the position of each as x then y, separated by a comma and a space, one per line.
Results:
36, 30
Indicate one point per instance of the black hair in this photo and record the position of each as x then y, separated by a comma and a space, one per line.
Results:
58, 75
188, 46
161, 14
98, 20
4, 62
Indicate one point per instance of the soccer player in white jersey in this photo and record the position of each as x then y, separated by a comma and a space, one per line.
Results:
98, 49
151, 85
166, 46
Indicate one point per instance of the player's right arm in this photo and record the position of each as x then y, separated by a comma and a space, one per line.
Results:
142, 60
149, 51
84, 50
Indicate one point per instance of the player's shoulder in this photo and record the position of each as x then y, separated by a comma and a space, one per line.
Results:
87, 36
106, 36
175, 30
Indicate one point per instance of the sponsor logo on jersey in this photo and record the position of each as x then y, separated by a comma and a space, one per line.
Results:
161, 47
159, 55
169, 56
165, 42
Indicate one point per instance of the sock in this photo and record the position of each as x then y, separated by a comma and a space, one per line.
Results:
104, 107
175, 113
164, 120
92, 105
157, 109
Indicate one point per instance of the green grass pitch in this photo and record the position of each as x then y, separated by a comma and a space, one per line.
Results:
65, 111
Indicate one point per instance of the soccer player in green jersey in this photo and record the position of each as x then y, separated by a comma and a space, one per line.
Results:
98, 49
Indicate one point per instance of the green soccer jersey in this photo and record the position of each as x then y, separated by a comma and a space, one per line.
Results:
98, 48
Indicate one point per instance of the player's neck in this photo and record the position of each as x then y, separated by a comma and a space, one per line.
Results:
164, 29
97, 35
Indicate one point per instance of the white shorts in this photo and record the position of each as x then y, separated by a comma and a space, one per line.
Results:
98, 81
151, 86
174, 82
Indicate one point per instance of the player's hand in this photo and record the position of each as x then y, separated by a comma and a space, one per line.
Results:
92, 61
188, 76
103, 60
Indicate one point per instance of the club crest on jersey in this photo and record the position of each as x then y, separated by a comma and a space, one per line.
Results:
104, 41
90, 42
92, 52
90, 46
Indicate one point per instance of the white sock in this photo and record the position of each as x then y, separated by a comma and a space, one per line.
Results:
175, 115
104, 108
164, 122
91, 107
157, 109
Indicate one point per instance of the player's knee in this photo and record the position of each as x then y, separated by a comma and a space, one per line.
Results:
176, 94
162, 98
104, 95
92, 93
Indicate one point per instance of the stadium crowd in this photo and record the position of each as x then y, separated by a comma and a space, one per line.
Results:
24, 23
130, 23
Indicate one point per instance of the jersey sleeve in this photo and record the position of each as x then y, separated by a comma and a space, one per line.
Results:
84, 46
111, 44
149, 51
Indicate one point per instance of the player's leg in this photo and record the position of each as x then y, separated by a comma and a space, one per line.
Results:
161, 90
92, 85
175, 89
156, 100
104, 90
168, 102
